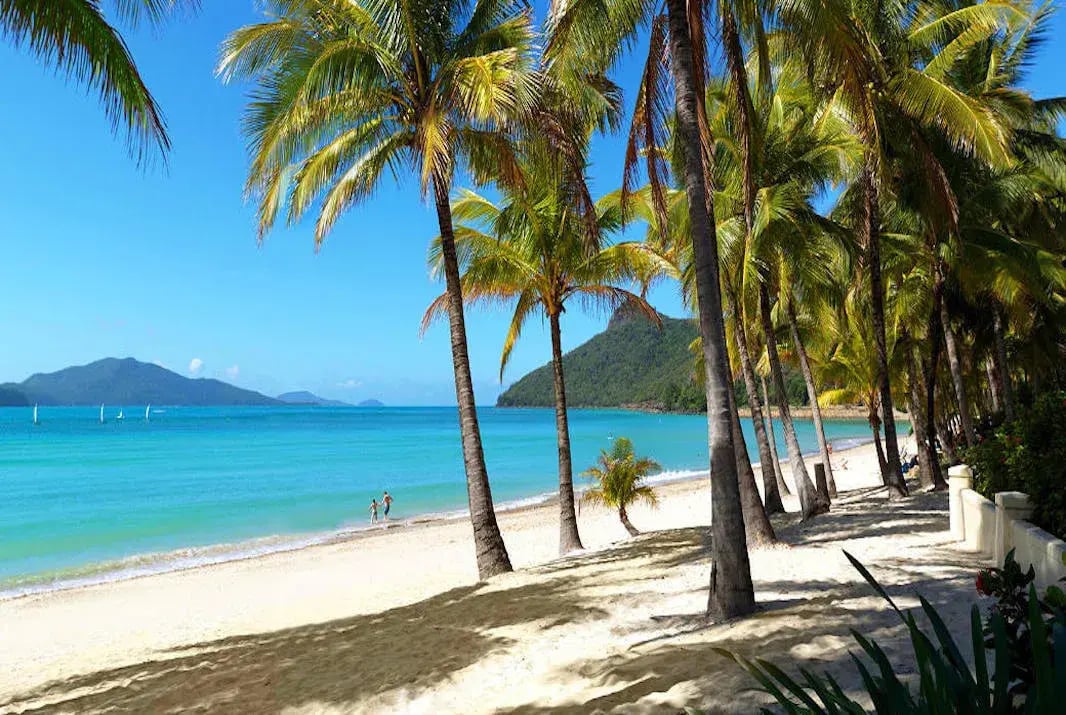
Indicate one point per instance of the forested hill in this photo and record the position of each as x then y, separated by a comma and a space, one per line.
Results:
126, 381
633, 362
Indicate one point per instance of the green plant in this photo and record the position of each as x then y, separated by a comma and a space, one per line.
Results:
618, 481
1028, 454
1015, 597
947, 683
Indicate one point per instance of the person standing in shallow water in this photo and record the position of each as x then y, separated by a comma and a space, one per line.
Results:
387, 501
374, 511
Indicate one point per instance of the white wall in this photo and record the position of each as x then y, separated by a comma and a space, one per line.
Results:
979, 522
973, 522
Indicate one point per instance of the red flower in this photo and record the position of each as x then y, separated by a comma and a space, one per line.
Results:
982, 587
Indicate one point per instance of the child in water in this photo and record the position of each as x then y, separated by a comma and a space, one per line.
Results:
373, 511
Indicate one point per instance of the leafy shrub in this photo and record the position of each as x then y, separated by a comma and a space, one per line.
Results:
1013, 590
1028, 455
947, 683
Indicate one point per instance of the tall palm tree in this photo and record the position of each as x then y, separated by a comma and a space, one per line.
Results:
349, 90
798, 147
531, 249
599, 32
618, 481
886, 63
76, 37
671, 240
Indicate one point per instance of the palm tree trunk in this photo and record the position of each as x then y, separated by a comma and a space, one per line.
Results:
491, 552
875, 427
757, 524
811, 502
1003, 367
872, 228
812, 395
772, 499
994, 389
928, 464
735, 61
929, 372
569, 539
734, 54
772, 437
955, 367
624, 517
731, 592
947, 441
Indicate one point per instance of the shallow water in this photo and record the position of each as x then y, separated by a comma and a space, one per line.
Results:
81, 500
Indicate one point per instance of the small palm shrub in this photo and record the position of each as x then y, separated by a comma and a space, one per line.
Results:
947, 683
618, 481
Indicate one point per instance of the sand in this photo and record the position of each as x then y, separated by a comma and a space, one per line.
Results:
396, 622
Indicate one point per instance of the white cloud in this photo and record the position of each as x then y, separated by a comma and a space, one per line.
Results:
233, 372
350, 384
196, 365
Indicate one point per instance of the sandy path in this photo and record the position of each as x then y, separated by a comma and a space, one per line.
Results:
397, 623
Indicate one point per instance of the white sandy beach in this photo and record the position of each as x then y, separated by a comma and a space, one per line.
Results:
396, 622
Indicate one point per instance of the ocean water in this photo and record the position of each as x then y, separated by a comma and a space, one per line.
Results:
82, 501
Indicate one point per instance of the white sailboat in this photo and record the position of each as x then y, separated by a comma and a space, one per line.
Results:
35, 420
120, 415
147, 411
101, 414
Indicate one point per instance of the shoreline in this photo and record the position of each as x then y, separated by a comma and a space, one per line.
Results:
798, 412
56, 640
184, 559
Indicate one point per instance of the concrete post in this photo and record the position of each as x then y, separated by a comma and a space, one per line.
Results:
960, 478
1010, 506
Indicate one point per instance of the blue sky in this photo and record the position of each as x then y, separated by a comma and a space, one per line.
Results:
100, 258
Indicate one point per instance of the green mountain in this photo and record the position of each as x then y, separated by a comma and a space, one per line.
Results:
632, 363
128, 381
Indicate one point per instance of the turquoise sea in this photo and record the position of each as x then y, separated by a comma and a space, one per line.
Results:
82, 501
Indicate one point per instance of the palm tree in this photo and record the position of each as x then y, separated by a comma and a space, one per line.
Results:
348, 91
531, 249
852, 365
886, 63
598, 32
671, 240
799, 146
77, 39
618, 481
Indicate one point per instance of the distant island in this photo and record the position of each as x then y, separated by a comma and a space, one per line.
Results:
632, 364
303, 397
371, 403
125, 381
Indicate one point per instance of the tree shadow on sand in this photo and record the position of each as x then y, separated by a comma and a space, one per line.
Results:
808, 623
670, 657
337, 662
